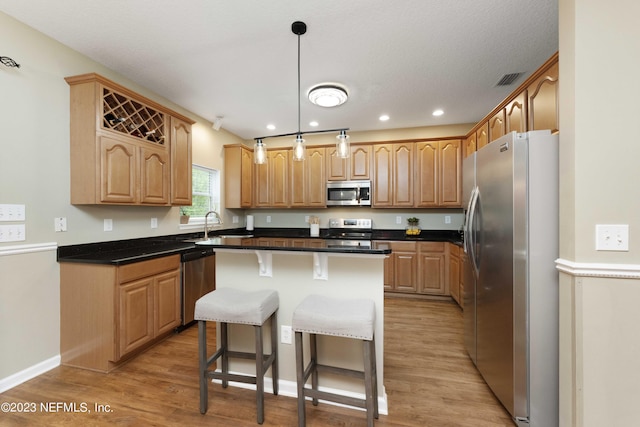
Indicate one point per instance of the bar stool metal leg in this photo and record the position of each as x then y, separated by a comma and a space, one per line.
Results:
374, 374
302, 418
202, 364
274, 347
224, 346
259, 375
368, 382
313, 350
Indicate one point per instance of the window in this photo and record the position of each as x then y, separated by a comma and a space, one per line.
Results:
205, 185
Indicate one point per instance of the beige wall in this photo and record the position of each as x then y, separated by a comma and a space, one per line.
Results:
599, 291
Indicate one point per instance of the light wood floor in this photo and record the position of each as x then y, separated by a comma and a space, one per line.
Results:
429, 380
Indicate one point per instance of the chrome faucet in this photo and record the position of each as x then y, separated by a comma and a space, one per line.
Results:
206, 222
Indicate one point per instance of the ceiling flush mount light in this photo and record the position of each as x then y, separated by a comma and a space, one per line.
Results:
328, 95
383, 118
438, 113
259, 154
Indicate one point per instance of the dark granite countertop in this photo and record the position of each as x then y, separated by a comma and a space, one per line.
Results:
122, 252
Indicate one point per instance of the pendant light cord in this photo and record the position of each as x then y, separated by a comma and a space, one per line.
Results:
298, 83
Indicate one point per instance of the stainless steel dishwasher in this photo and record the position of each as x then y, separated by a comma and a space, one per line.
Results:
198, 278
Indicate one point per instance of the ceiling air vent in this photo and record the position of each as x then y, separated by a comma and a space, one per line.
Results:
507, 79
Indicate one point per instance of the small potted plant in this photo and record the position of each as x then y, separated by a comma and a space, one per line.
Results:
184, 216
412, 229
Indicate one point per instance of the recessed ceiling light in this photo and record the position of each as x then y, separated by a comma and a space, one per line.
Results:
384, 118
271, 127
313, 123
438, 113
328, 95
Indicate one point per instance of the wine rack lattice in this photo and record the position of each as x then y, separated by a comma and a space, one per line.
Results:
123, 114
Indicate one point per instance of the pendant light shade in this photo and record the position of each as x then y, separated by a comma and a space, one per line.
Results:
259, 152
343, 149
299, 150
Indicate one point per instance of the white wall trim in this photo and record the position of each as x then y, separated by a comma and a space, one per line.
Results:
29, 373
587, 269
24, 249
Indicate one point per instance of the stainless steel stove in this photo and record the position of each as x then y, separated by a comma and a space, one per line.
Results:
350, 232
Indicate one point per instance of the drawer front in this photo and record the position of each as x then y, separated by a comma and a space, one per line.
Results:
431, 246
397, 246
129, 272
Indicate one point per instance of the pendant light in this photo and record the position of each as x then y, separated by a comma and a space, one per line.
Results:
343, 150
299, 149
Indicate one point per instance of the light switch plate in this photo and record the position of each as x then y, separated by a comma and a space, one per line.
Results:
12, 233
612, 237
12, 212
154, 222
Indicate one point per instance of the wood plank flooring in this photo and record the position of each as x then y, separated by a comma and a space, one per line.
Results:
429, 380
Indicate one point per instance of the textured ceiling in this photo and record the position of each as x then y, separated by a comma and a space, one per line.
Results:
238, 58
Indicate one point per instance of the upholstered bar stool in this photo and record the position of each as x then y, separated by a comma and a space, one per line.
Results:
226, 305
349, 318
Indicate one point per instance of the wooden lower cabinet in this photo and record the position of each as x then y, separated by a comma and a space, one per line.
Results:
108, 313
416, 268
454, 272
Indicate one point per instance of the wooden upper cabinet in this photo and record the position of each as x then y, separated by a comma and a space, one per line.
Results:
180, 162
543, 101
121, 141
308, 180
403, 174
450, 188
497, 125
261, 185
154, 176
356, 167
438, 169
470, 144
278, 161
482, 136
117, 171
516, 114
360, 162
238, 176
427, 174
382, 182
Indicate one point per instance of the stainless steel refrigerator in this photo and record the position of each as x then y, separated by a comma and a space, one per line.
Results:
511, 299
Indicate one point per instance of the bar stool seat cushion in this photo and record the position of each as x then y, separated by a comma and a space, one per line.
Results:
350, 318
229, 305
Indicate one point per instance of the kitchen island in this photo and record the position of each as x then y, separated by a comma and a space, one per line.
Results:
297, 267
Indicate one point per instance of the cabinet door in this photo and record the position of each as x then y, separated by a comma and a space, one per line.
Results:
516, 115
470, 144
403, 174
154, 176
279, 178
405, 270
496, 125
427, 173
482, 136
360, 162
543, 101
246, 179
432, 273
166, 302
238, 177
180, 142
382, 176
117, 171
316, 178
450, 182
262, 184
299, 177
336, 166
136, 314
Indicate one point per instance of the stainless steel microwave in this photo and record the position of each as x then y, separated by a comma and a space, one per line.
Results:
349, 193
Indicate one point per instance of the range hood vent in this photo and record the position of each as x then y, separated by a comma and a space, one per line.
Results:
508, 79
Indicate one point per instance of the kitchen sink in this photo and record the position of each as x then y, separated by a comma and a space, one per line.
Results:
222, 236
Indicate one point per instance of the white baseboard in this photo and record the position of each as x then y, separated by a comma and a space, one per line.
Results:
29, 373
290, 389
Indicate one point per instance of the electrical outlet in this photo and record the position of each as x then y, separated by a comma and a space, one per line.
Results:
235, 219
60, 224
285, 334
108, 225
154, 222
447, 219
398, 219
612, 237
268, 218
306, 219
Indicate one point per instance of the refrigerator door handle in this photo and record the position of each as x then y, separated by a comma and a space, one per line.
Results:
470, 231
